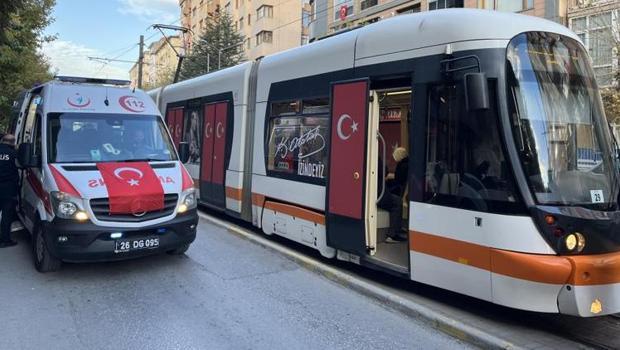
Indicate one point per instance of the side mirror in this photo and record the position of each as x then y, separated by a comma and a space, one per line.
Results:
476, 92
25, 157
184, 152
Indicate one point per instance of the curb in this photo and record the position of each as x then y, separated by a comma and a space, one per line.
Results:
437, 320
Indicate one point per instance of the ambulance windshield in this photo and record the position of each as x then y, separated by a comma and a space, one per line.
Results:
89, 138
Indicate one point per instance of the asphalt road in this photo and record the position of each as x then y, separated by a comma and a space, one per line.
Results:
226, 293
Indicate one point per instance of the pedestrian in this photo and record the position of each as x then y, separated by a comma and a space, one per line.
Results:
8, 189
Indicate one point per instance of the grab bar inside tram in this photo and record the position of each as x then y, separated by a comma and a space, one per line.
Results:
382, 181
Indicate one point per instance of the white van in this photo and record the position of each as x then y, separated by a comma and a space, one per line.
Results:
101, 179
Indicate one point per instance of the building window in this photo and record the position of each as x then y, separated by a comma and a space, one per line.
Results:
444, 4
248, 43
249, 19
236, 4
241, 23
368, 3
297, 140
264, 36
410, 9
596, 33
264, 11
506, 5
343, 9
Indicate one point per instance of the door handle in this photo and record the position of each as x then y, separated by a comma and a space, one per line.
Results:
356, 175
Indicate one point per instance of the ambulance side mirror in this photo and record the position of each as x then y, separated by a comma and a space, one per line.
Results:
26, 158
183, 152
476, 92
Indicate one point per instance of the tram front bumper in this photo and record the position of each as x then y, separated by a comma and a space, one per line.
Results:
594, 286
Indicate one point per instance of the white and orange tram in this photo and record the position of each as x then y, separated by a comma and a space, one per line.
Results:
512, 187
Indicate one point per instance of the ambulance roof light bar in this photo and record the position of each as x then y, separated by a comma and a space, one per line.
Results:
84, 80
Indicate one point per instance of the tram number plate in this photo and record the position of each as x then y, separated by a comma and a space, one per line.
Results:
127, 245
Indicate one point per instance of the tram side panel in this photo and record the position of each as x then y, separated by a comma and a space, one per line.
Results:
289, 177
209, 112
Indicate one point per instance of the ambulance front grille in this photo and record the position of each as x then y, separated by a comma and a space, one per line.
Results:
101, 209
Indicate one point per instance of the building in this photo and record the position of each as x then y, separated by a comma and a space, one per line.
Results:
330, 16
597, 23
160, 62
268, 26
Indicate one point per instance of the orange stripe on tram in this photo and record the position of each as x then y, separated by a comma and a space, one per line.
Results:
297, 212
536, 268
233, 193
258, 199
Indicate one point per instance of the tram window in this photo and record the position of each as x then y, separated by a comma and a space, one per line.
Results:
193, 135
297, 143
466, 166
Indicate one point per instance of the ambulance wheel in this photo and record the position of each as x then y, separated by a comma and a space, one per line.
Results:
43, 259
179, 251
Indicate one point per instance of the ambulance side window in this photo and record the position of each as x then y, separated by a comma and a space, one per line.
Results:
37, 136
30, 118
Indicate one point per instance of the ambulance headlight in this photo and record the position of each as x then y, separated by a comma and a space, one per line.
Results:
65, 206
188, 202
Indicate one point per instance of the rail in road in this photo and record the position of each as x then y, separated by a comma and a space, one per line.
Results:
520, 328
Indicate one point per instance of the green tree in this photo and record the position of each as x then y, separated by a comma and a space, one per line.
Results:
220, 45
21, 34
164, 76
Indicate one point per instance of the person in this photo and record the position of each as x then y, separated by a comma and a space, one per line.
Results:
138, 144
8, 188
398, 184
392, 204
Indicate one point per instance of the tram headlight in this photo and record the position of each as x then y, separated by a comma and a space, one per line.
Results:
575, 242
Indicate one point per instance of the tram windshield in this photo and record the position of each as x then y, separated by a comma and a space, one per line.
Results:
564, 143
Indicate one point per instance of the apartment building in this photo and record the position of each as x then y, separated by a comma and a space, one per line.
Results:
268, 26
160, 62
330, 16
597, 23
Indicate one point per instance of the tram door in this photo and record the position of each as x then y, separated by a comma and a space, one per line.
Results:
212, 172
347, 224
174, 120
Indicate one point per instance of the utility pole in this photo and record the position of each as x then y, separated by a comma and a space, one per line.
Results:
140, 61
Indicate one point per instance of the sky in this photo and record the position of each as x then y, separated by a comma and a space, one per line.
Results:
103, 28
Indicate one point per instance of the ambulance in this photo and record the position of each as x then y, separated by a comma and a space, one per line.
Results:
100, 177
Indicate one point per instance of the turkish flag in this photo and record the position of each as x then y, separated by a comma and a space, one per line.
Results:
133, 188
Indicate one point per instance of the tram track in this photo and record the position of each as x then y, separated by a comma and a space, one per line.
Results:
522, 328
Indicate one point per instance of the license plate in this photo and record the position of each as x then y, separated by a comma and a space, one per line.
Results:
127, 245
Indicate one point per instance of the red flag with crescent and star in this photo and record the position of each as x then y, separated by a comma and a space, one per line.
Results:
133, 188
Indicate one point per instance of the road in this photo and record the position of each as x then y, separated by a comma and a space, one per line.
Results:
225, 293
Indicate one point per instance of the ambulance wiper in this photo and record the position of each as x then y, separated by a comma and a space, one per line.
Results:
144, 160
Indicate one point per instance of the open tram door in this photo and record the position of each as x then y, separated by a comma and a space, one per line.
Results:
351, 185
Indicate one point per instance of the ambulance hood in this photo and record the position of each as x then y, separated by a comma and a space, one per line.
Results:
88, 181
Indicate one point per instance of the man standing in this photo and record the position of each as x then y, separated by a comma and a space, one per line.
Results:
8, 188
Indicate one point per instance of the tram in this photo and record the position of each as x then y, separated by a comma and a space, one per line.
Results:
511, 191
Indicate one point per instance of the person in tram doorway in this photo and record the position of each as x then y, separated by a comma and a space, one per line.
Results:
392, 204
398, 184
8, 189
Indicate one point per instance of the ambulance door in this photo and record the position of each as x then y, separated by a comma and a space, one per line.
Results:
350, 172
31, 190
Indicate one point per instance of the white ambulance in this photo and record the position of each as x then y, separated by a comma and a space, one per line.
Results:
100, 179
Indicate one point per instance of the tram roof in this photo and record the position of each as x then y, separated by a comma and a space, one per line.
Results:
396, 34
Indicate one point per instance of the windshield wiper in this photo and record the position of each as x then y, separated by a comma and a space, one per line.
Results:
145, 160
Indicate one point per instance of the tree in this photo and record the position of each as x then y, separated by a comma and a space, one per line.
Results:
21, 35
164, 76
220, 46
